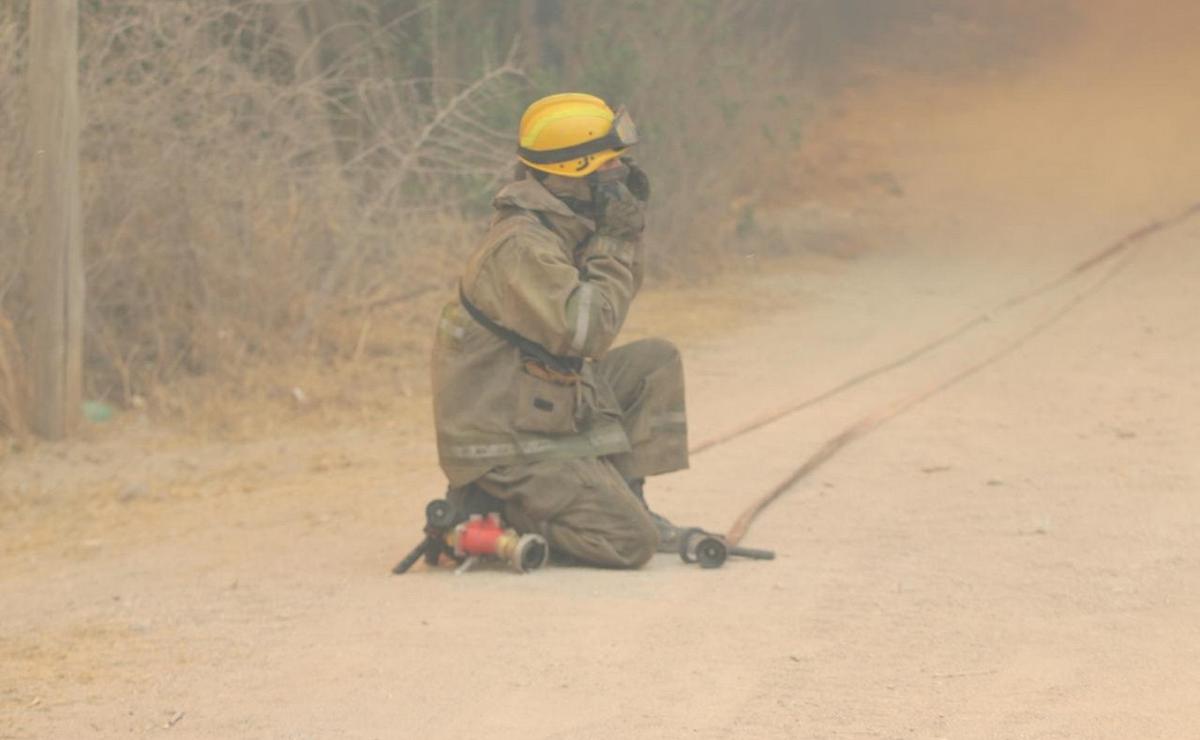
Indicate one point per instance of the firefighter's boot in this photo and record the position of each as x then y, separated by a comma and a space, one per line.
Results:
668, 533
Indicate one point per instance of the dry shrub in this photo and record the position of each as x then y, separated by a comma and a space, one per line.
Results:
244, 188
269, 183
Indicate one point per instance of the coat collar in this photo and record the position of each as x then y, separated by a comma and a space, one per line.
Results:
531, 195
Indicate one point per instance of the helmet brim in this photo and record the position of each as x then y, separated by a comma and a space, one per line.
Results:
579, 167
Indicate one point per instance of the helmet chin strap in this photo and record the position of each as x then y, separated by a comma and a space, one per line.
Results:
583, 208
575, 192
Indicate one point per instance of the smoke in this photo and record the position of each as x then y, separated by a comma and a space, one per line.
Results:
1089, 126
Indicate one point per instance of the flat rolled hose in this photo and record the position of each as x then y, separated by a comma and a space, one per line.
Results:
869, 423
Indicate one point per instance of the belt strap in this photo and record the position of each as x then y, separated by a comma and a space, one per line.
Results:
557, 363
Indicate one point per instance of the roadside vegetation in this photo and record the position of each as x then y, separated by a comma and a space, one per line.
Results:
275, 191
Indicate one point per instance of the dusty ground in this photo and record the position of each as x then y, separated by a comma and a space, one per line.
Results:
1017, 557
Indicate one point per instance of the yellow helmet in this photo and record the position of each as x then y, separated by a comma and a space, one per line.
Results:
573, 134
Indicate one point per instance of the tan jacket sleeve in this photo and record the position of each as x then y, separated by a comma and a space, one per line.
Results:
530, 285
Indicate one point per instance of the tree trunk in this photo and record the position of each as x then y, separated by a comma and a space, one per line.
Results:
57, 261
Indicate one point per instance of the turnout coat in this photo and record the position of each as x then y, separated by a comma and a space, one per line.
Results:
543, 273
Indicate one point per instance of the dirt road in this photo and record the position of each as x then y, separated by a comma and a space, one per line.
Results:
1017, 557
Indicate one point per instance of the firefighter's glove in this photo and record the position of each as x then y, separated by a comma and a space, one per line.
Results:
618, 212
637, 181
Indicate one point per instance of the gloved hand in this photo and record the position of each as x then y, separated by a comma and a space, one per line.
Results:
618, 212
637, 181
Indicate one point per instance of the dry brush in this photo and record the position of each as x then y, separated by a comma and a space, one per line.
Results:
263, 180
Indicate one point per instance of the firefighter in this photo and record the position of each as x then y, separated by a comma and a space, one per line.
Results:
534, 408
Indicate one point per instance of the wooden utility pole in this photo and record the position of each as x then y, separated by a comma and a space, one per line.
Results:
57, 260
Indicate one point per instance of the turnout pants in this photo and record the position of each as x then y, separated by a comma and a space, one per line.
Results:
583, 506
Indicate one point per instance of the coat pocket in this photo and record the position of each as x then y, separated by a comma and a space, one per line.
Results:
544, 407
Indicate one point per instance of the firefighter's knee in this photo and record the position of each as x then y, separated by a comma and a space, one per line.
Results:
658, 352
639, 544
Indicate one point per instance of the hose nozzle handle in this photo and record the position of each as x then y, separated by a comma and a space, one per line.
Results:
753, 554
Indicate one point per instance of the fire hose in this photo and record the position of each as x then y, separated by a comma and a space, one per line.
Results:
469, 538
873, 421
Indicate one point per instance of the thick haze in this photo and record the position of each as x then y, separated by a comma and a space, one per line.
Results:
1101, 121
